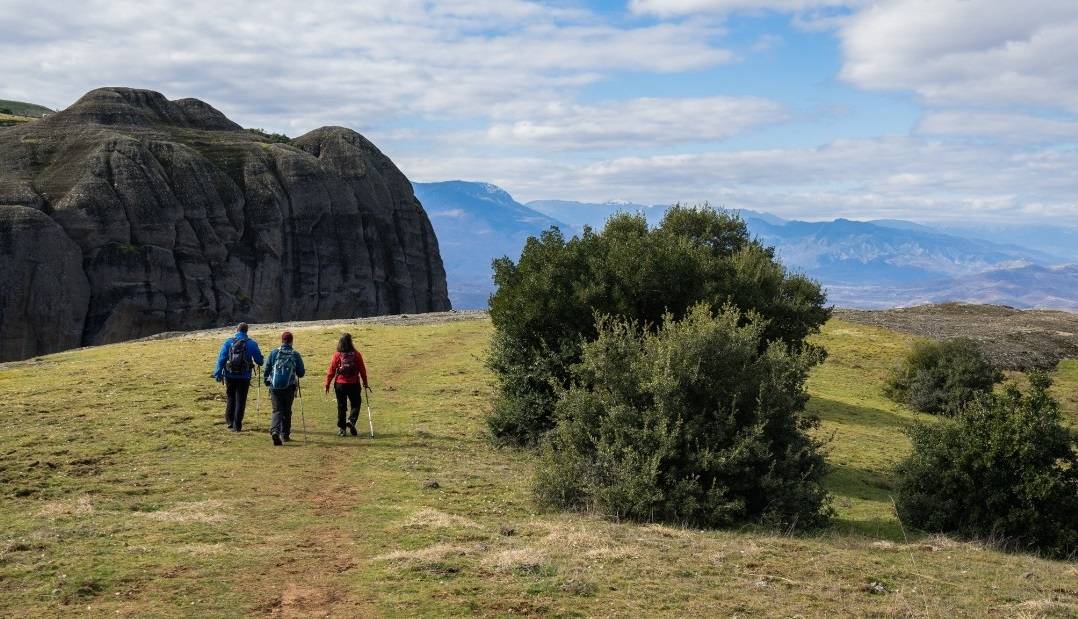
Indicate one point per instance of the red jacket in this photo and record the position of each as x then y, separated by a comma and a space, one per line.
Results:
335, 366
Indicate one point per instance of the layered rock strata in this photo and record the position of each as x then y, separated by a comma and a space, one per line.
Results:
128, 214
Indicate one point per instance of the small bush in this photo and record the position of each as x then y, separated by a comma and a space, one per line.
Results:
273, 138
1004, 469
942, 377
699, 422
543, 310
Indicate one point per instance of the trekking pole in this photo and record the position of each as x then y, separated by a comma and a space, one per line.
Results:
258, 392
302, 412
370, 418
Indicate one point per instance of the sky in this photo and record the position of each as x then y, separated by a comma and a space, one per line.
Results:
952, 111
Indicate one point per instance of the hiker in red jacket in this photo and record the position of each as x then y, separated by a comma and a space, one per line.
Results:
346, 371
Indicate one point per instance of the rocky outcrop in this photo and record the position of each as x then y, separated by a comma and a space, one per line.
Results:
129, 214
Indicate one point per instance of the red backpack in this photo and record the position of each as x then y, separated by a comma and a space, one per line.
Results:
349, 367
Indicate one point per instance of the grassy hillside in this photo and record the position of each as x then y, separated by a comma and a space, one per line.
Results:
124, 496
19, 108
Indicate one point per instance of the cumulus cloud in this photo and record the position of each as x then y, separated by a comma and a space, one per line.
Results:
668, 8
288, 65
1008, 127
972, 52
866, 178
638, 121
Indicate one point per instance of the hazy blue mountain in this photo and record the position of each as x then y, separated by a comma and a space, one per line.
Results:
1061, 241
856, 252
1058, 240
862, 264
594, 214
475, 224
1030, 286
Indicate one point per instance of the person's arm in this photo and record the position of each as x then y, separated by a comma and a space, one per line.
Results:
269, 366
362, 369
300, 371
219, 368
256, 354
332, 371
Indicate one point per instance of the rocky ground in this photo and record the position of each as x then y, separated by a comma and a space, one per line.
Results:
1014, 339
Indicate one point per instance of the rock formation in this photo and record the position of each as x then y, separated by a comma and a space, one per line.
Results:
127, 214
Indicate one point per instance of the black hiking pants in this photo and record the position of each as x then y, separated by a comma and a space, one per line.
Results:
282, 399
235, 401
347, 394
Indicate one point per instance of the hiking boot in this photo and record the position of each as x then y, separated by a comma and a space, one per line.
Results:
287, 437
352, 428
276, 439
340, 432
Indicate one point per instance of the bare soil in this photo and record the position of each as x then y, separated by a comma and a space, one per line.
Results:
1014, 339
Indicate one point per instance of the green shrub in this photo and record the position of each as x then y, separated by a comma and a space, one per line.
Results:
1004, 469
942, 377
545, 303
273, 138
693, 423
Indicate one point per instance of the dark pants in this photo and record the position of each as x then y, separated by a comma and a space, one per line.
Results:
347, 394
282, 410
236, 401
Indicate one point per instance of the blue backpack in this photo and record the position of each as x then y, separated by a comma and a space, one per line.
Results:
283, 373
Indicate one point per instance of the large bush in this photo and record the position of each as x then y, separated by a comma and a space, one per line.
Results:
1004, 469
693, 423
545, 305
942, 377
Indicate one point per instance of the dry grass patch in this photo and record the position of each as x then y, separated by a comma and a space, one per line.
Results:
437, 552
527, 559
207, 512
430, 518
81, 506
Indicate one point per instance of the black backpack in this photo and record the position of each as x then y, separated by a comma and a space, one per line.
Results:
237, 361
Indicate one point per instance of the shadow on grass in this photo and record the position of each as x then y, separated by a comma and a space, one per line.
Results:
842, 412
863, 498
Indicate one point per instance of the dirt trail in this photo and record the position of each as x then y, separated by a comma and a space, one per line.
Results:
308, 580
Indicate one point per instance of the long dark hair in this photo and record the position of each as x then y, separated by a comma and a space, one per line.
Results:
345, 343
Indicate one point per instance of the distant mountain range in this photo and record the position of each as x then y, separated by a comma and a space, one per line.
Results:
873, 264
475, 224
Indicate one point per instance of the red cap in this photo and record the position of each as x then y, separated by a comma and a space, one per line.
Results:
286, 336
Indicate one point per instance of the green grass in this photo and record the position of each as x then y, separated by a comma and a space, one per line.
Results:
124, 496
19, 108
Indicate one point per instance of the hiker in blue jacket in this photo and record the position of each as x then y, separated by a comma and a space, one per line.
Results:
238, 357
284, 368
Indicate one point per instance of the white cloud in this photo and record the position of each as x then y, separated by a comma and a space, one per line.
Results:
1009, 127
652, 121
868, 178
291, 66
667, 8
971, 52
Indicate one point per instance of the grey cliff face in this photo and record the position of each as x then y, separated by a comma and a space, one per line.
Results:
128, 214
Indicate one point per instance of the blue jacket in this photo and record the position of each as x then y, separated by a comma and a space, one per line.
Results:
273, 359
252, 352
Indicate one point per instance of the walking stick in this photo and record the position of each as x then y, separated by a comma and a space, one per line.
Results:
258, 392
302, 412
370, 419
